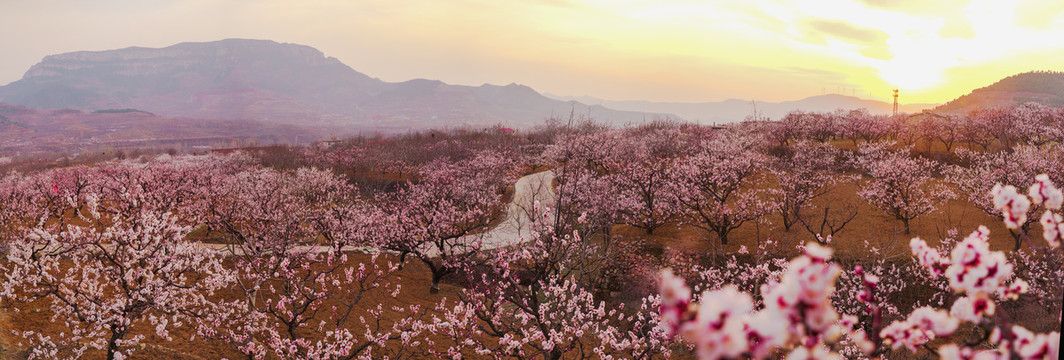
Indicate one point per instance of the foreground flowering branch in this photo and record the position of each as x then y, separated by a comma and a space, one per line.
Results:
798, 318
797, 313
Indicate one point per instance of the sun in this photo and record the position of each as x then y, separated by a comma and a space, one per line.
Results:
911, 76
919, 61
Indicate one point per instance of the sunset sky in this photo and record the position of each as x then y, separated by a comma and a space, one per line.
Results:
664, 50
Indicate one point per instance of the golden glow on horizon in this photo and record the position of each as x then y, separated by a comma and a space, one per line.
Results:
911, 45
669, 50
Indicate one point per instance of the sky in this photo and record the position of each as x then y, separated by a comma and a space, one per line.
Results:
657, 50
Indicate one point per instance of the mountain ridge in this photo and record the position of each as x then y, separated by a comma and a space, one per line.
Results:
1044, 87
275, 82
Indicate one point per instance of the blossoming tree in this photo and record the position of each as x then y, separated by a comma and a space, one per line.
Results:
110, 272
714, 185
531, 301
901, 185
440, 218
804, 174
1019, 166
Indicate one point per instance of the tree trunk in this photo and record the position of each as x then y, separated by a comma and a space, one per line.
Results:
112, 344
1017, 238
436, 276
402, 259
788, 220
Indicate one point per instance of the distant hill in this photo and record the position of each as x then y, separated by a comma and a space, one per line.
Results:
268, 81
736, 110
1045, 87
27, 130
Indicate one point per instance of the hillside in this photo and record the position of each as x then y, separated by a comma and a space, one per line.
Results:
27, 130
736, 110
274, 82
1038, 86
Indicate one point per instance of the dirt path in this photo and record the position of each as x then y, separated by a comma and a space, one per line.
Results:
528, 190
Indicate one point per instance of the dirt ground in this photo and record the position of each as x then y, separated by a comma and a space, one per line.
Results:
414, 279
871, 224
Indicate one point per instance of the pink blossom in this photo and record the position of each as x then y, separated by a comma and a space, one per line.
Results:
1044, 192
955, 352
928, 257
938, 321
1052, 228
1013, 205
818, 352
718, 330
905, 334
974, 268
675, 297
972, 309
1029, 345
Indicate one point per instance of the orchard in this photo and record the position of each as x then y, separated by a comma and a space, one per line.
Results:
822, 235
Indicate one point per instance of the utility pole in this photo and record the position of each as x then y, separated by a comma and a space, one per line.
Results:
895, 102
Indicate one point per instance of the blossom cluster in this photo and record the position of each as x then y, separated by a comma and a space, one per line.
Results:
1013, 205
1043, 191
797, 313
928, 257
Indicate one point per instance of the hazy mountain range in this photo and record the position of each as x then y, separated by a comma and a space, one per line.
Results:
269, 81
736, 110
261, 90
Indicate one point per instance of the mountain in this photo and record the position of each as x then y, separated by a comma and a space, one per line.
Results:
262, 80
736, 110
424, 103
1045, 87
218, 80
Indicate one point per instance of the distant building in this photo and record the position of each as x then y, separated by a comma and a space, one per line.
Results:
233, 150
508, 131
326, 144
